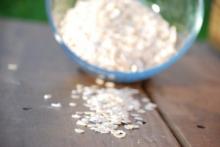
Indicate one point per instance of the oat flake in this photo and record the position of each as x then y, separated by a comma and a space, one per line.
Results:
56, 105
79, 131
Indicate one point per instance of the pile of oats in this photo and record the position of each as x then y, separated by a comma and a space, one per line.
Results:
110, 110
118, 35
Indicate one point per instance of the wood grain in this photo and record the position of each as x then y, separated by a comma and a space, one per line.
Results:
43, 68
188, 96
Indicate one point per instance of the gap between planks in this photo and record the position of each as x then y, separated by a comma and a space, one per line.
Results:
166, 121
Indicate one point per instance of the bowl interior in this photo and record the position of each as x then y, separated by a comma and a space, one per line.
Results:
185, 15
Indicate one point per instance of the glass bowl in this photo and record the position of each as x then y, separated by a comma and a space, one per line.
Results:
185, 15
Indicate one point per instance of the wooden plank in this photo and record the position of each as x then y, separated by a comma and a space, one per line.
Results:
42, 67
188, 95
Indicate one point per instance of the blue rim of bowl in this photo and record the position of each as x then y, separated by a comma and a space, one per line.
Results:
128, 77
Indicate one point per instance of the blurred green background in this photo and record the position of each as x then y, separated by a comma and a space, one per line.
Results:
35, 10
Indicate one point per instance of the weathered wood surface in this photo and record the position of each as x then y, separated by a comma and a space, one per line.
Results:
188, 97
26, 120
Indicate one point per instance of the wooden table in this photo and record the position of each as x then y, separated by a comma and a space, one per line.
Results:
187, 95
